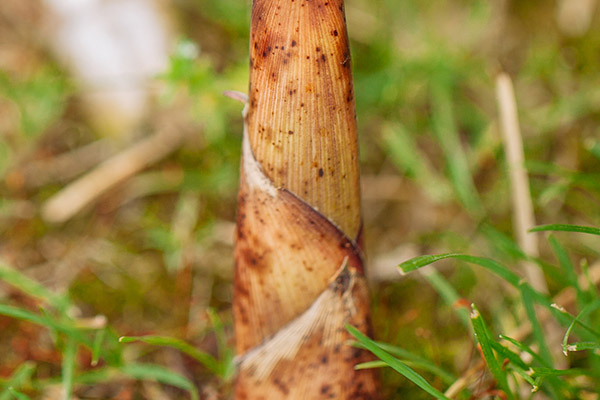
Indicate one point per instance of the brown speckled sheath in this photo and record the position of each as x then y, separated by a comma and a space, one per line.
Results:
299, 270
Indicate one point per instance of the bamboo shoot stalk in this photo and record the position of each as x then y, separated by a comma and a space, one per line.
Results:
299, 274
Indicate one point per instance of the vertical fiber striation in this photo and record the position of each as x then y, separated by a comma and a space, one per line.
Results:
301, 117
299, 268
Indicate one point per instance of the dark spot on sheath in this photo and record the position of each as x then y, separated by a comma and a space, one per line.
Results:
240, 235
345, 63
293, 43
324, 359
323, 58
325, 389
318, 49
342, 281
334, 33
291, 132
321, 172
243, 313
281, 386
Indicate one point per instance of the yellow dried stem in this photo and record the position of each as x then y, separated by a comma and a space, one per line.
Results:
299, 268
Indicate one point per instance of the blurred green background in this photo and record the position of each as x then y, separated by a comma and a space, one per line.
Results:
152, 252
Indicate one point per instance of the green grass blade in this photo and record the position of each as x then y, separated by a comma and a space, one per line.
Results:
536, 328
565, 263
394, 363
404, 151
579, 346
406, 155
18, 395
448, 294
68, 367
444, 128
497, 268
586, 310
204, 358
484, 339
443, 375
523, 347
415, 360
503, 243
24, 315
509, 355
31, 287
160, 374
97, 346
587, 331
528, 295
593, 290
422, 261
542, 372
19, 377
44, 320
226, 353
97, 375
372, 364
593, 146
494, 267
524, 370
556, 385
535, 383
515, 363
567, 228
507, 247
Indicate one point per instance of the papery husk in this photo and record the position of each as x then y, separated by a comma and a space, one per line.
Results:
301, 118
310, 358
299, 275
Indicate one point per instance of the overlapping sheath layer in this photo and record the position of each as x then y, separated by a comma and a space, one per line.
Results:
299, 270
